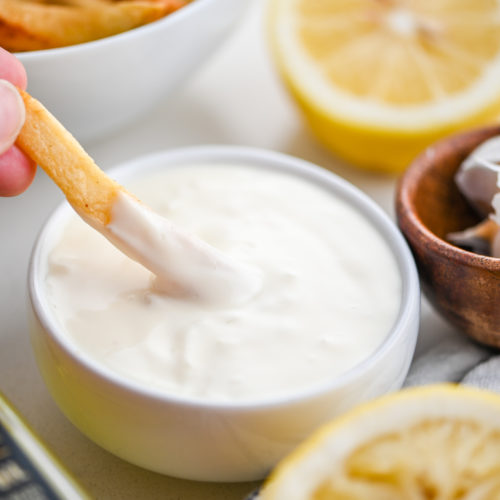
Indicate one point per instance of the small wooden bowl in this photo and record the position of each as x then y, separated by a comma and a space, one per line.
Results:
463, 286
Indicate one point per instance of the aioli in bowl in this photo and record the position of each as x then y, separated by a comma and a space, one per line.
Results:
325, 303
216, 439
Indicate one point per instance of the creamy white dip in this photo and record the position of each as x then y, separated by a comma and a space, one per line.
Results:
328, 291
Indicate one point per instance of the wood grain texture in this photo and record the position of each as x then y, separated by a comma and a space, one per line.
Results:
463, 286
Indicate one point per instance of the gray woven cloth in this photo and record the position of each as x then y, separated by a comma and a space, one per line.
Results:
456, 360
444, 354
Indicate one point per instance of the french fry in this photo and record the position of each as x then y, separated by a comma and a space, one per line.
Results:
34, 25
89, 190
216, 277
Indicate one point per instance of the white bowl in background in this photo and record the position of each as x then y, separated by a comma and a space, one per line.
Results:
94, 88
212, 441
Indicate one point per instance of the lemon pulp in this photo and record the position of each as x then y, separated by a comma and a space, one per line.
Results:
378, 80
434, 459
434, 443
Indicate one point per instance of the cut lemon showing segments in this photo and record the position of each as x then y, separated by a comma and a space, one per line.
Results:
379, 80
433, 443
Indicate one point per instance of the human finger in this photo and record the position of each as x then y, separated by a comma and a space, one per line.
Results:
11, 69
16, 172
12, 115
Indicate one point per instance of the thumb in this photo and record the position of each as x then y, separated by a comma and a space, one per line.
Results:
12, 114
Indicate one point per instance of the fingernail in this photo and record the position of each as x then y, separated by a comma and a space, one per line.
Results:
12, 114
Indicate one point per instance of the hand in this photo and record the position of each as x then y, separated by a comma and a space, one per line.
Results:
16, 169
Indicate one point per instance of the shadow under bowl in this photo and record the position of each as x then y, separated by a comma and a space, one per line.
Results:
463, 286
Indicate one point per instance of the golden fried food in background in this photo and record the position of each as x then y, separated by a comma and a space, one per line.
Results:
44, 24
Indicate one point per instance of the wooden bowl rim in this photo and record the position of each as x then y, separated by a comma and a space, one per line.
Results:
408, 214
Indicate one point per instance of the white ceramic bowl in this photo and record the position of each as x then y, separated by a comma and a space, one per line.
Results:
204, 440
96, 87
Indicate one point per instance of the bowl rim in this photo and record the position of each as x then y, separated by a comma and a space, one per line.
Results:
140, 31
403, 325
405, 195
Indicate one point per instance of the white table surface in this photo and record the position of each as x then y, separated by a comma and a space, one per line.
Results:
235, 98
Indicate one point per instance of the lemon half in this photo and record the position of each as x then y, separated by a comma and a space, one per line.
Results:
378, 80
433, 443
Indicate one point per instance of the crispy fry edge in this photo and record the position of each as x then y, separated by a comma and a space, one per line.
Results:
89, 190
